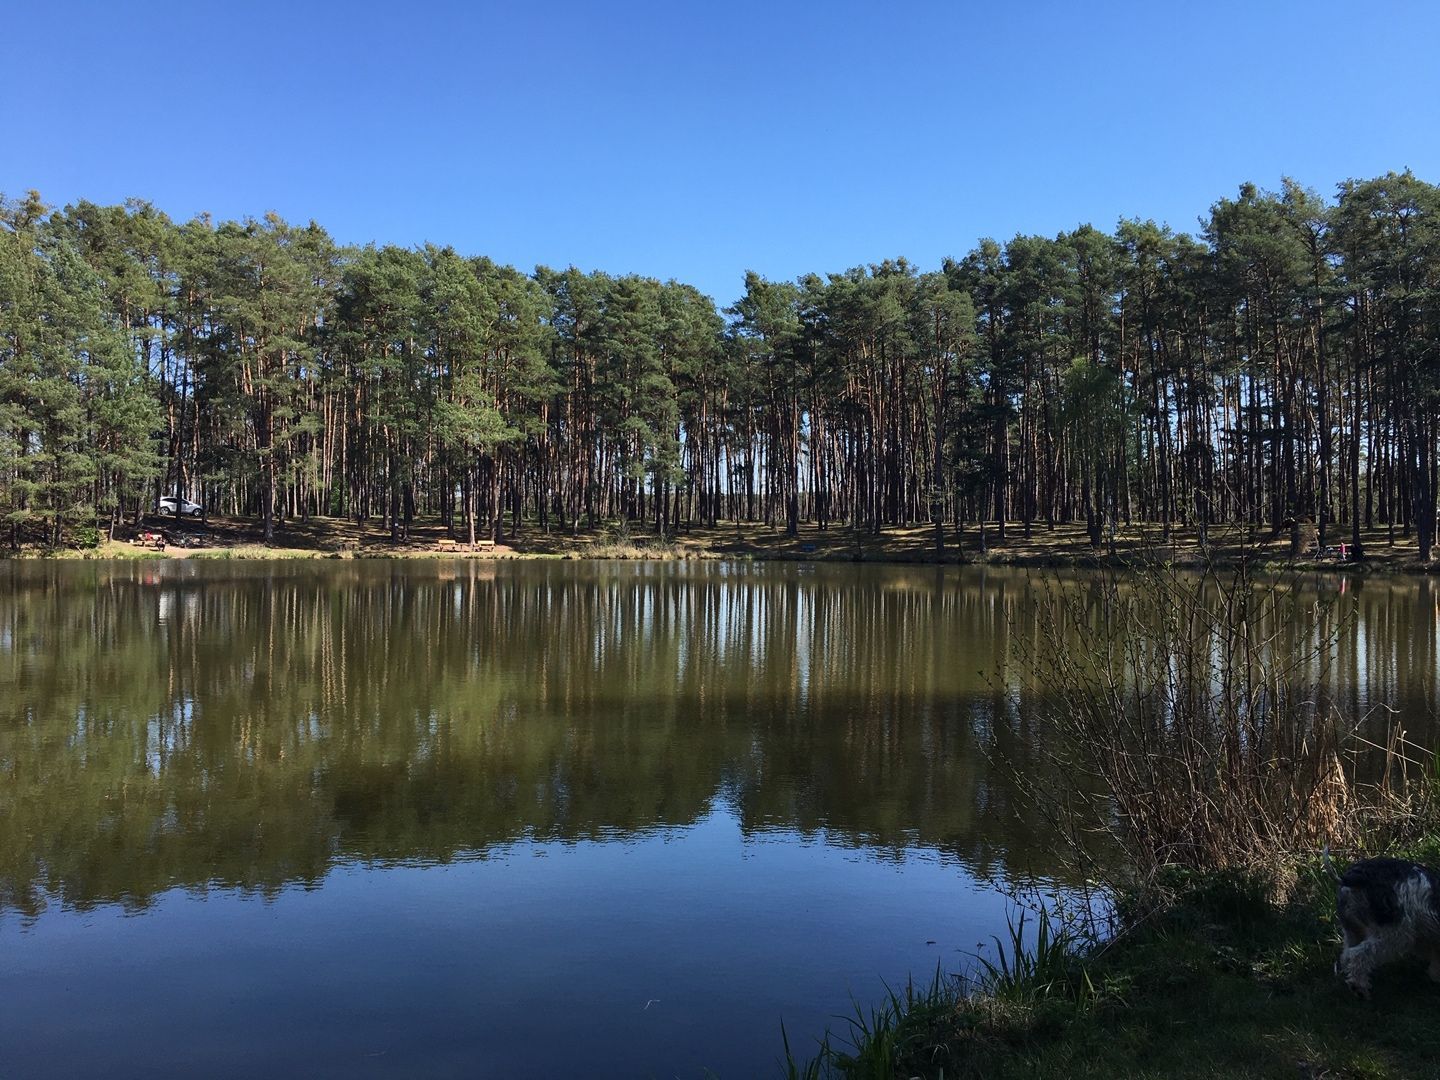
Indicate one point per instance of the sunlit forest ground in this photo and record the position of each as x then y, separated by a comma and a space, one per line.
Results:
1063, 544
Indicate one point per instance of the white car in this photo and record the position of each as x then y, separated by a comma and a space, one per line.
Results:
169, 504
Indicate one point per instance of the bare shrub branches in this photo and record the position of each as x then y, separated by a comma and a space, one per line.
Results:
1193, 729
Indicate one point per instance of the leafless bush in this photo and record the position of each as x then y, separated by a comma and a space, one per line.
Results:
1192, 728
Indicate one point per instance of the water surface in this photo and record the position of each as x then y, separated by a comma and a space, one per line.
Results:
517, 819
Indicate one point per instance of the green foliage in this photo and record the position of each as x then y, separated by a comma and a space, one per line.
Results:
76, 415
85, 536
1278, 366
1024, 969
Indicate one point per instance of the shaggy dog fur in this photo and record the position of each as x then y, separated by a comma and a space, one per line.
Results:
1389, 909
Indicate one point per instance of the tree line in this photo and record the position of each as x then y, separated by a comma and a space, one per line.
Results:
1283, 363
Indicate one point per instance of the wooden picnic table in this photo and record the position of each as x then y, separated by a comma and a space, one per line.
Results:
445, 543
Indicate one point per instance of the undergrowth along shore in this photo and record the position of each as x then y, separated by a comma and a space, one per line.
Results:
1213, 975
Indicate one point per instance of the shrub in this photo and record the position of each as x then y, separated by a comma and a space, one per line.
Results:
1192, 730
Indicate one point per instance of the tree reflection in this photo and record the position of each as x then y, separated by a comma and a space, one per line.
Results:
249, 725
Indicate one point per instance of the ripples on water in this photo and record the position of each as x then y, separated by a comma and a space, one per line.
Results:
471, 817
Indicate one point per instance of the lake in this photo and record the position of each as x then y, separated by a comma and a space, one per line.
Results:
464, 818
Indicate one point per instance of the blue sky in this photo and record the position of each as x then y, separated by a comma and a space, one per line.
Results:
694, 140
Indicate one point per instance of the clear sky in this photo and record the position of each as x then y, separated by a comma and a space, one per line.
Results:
695, 140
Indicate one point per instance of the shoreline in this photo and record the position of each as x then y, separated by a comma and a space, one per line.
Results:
120, 552
1220, 979
1063, 547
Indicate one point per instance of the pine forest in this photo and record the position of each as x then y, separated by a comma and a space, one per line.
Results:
1280, 364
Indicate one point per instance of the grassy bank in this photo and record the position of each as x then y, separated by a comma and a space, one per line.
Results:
1217, 979
1062, 546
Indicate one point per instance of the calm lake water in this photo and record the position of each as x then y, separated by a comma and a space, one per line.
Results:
517, 819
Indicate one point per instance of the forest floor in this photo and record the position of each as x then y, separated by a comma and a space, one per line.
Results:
1064, 545
1223, 981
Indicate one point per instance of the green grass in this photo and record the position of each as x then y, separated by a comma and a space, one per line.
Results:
1218, 981
105, 550
251, 551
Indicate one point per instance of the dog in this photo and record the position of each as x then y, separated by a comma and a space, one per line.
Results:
1389, 909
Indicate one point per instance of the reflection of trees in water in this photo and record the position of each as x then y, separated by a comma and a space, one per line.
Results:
248, 725
1359, 644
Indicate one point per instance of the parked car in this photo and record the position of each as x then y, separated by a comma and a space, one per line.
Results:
168, 504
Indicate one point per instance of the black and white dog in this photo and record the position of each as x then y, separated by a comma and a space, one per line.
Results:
1389, 909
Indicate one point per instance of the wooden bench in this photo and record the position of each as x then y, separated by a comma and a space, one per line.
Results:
151, 540
445, 544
